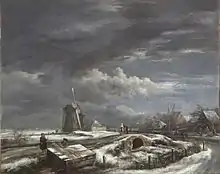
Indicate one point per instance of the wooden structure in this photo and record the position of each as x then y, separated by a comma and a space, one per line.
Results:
72, 118
70, 157
134, 141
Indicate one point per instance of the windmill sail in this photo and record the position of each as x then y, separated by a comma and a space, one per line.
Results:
77, 109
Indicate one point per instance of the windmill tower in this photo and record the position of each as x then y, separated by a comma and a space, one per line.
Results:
170, 113
72, 117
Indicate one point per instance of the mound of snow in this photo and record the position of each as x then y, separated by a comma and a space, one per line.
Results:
15, 165
187, 165
119, 155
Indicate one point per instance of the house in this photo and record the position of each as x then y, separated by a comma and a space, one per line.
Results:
204, 119
158, 124
72, 118
96, 126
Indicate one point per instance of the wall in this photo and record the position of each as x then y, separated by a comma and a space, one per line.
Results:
103, 128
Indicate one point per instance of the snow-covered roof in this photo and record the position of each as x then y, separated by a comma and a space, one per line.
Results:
158, 124
211, 115
96, 124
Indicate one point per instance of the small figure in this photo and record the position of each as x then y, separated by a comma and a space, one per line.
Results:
43, 142
122, 127
104, 161
126, 129
64, 143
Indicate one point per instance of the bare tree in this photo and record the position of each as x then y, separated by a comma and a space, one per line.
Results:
19, 136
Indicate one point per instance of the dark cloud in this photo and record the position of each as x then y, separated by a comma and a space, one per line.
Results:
48, 46
38, 32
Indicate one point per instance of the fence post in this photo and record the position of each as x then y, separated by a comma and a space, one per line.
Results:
104, 161
149, 162
186, 154
203, 145
172, 155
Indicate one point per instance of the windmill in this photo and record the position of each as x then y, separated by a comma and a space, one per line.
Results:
170, 112
77, 108
72, 116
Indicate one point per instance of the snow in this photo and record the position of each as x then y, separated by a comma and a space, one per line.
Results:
184, 144
211, 115
97, 134
103, 151
187, 165
34, 135
19, 163
96, 124
57, 137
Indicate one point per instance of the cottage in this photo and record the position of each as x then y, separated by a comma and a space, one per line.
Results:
96, 126
204, 119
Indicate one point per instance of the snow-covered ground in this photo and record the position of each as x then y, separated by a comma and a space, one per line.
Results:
15, 165
116, 154
188, 165
18, 158
33, 136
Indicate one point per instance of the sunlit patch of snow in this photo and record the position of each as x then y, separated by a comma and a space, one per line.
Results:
103, 150
19, 163
58, 137
34, 135
97, 134
184, 144
187, 165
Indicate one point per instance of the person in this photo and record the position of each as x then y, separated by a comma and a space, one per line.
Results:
122, 127
64, 143
126, 129
43, 142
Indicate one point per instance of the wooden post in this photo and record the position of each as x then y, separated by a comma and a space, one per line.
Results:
186, 154
172, 155
203, 145
104, 161
149, 162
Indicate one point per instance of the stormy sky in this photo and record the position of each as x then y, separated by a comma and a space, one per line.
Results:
124, 58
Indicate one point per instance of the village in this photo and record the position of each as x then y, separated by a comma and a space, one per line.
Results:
156, 142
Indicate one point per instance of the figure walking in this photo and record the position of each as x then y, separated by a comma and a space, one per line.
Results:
43, 143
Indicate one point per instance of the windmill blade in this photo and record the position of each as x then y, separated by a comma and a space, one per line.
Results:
77, 114
73, 92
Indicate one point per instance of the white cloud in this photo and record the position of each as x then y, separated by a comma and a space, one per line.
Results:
177, 32
122, 85
125, 109
21, 75
188, 51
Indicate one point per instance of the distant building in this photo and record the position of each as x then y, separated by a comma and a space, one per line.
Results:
202, 120
72, 118
96, 126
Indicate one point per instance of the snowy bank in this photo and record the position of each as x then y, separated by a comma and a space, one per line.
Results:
187, 165
16, 165
140, 151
